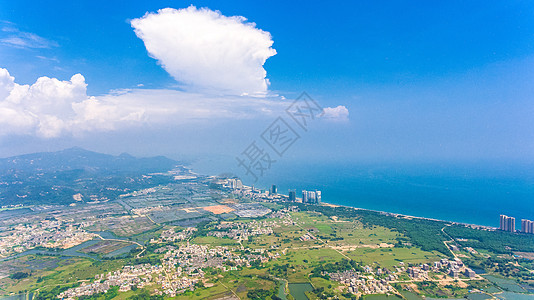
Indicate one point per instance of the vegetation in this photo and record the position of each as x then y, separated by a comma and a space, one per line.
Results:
73, 171
145, 295
19, 275
110, 294
423, 233
495, 241
260, 294
51, 294
321, 240
338, 266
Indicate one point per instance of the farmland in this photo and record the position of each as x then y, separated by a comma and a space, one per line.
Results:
197, 239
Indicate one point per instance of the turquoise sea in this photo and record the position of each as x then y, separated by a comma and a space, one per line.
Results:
462, 192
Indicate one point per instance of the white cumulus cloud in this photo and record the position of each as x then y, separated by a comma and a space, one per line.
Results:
51, 107
218, 59
207, 51
40, 108
338, 113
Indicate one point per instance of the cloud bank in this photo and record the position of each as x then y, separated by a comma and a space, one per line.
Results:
219, 60
207, 51
51, 107
41, 107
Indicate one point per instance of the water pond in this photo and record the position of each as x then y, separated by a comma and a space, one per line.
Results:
506, 284
28, 296
514, 296
298, 290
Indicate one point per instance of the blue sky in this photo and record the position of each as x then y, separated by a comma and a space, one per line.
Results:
343, 43
419, 80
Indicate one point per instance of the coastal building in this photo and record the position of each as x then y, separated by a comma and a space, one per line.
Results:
507, 223
313, 197
292, 195
527, 226
235, 183
273, 190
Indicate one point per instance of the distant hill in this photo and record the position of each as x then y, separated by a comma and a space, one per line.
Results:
78, 158
54, 177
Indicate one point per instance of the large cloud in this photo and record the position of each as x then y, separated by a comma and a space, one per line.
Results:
219, 59
207, 51
51, 107
40, 108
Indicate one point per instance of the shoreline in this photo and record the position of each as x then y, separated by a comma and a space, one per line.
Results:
411, 217
446, 197
485, 227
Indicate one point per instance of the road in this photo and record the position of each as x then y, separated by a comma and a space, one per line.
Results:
450, 240
230, 290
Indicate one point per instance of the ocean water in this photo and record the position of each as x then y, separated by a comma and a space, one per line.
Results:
467, 193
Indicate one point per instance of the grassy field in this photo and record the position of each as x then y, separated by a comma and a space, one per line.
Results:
66, 271
214, 241
389, 257
294, 259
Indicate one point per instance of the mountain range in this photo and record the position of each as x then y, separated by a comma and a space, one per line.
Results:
54, 177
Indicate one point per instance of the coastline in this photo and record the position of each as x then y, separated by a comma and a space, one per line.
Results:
460, 193
412, 217
484, 227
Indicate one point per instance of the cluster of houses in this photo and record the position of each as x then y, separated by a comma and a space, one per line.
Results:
378, 281
143, 211
171, 235
137, 276
242, 231
307, 237
358, 283
453, 268
192, 257
47, 233
283, 216
180, 270
173, 282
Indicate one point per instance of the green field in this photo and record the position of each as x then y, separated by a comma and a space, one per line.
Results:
297, 254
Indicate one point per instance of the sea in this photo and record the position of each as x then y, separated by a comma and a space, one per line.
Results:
473, 193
